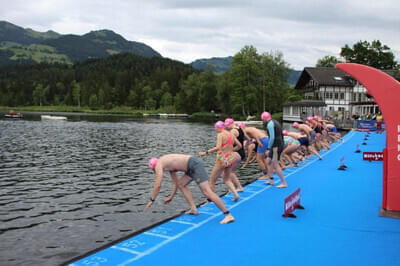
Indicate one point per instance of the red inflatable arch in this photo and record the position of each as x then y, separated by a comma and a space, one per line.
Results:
386, 93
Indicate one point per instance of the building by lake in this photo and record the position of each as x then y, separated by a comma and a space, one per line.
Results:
330, 92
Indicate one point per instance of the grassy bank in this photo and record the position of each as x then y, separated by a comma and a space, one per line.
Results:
76, 109
127, 111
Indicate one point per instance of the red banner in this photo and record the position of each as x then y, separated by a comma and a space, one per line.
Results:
291, 203
373, 156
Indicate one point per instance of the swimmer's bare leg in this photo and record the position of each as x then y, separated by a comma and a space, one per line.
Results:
227, 219
206, 190
228, 182
187, 194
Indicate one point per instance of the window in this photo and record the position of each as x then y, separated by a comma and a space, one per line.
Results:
342, 96
295, 110
336, 95
286, 110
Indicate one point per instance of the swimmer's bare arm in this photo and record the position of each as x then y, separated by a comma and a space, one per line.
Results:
157, 184
246, 136
214, 149
174, 177
249, 154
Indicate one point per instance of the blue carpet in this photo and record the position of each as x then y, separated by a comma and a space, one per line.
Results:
339, 225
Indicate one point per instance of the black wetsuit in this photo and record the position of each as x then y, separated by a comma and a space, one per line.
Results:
241, 140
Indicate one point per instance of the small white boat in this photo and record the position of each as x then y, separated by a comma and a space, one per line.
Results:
52, 117
252, 122
14, 116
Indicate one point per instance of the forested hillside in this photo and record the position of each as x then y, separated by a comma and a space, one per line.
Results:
122, 79
21, 46
142, 83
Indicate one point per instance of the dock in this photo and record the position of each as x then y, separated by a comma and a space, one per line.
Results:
340, 224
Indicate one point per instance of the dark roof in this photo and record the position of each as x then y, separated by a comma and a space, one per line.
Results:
310, 103
324, 76
329, 76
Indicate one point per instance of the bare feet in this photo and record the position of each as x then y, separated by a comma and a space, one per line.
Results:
282, 186
235, 197
241, 189
263, 177
228, 219
271, 182
192, 212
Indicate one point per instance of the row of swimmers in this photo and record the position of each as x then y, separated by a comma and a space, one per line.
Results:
232, 142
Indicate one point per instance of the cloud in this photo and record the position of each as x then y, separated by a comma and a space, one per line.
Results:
186, 30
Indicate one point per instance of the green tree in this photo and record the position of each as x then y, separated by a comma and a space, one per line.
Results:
207, 91
166, 99
102, 98
371, 54
188, 99
93, 102
274, 76
39, 94
76, 92
132, 98
327, 61
244, 79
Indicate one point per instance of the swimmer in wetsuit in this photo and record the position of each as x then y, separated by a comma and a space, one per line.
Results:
274, 149
193, 169
226, 157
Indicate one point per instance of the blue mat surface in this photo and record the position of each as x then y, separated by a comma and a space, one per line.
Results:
339, 225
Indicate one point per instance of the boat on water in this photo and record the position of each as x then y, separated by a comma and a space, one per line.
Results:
14, 116
52, 117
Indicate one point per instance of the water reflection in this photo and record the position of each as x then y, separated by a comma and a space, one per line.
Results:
67, 187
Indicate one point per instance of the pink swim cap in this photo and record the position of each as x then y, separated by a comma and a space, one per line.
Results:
153, 162
242, 125
310, 118
284, 132
229, 121
219, 125
265, 116
316, 117
295, 124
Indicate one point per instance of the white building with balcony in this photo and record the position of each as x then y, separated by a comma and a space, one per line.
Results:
330, 92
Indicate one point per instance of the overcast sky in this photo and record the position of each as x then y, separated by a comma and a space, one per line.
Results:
186, 30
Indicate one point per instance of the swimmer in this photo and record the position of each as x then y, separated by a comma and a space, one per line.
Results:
274, 149
226, 157
241, 137
291, 146
262, 144
304, 140
193, 168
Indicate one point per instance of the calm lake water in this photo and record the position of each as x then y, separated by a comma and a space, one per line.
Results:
68, 187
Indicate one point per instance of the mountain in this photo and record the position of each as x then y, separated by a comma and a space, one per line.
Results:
294, 77
218, 64
19, 45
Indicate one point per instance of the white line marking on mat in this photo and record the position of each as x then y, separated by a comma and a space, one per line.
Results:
127, 250
169, 239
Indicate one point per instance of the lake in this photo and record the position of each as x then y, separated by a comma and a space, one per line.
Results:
68, 187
